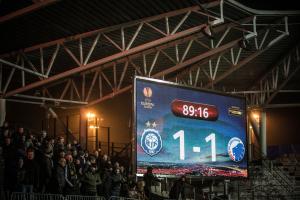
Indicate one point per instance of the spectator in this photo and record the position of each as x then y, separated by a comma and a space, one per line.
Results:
77, 145
4, 132
98, 159
59, 146
10, 165
117, 180
107, 179
141, 190
30, 182
104, 164
132, 193
20, 175
149, 179
46, 167
74, 152
82, 159
19, 136
90, 180
72, 181
58, 181
178, 189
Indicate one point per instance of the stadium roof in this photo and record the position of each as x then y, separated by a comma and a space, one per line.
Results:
83, 52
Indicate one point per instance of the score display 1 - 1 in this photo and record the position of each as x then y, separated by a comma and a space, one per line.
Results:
211, 137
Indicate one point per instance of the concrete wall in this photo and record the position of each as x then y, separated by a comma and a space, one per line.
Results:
283, 126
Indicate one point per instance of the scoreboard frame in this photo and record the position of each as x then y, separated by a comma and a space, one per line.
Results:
177, 85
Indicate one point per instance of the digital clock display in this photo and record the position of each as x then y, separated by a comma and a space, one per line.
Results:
181, 130
194, 110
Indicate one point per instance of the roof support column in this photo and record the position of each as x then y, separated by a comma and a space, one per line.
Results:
2, 111
263, 134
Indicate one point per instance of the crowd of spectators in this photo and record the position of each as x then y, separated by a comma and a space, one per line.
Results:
42, 164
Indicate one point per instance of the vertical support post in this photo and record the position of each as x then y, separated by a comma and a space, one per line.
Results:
112, 149
249, 138
108, 141
79, 131
226, 188
263, 134
83, 129
238, 190
2, 111
67, 128
211, 190
54, 127
97, 137
86, 133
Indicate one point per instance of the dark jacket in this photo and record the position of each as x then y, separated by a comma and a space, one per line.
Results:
10, 167
72, 181
116, 184
46, 169
90, 180
149, 180
31, 174
59, 181
107, 180
177, 189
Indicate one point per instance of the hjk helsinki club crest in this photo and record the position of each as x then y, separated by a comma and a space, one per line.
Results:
151, 141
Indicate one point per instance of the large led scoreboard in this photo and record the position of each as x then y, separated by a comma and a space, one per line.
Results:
181, 130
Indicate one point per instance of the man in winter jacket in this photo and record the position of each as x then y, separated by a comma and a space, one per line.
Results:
31, 173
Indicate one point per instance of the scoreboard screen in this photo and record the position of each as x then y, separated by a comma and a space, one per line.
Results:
182, 130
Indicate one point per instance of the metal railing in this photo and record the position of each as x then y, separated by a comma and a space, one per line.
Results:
120, 198
79, 197
37, 196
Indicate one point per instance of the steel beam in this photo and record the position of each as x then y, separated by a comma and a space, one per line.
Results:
260, 91
271, 68
26, 10
170, 70
238, 66
106, 60
103, 61
50, 99
112, 28
24, 101
184, 64
282, 105
22, 68
282, 85
279, 73
211, 53
198, 58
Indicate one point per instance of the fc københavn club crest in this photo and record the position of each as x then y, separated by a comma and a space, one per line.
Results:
151, 142
236, 149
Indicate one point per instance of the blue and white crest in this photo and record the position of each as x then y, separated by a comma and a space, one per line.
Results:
151, 142
236, 149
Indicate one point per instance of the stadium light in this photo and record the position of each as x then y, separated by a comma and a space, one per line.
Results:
93, 127
90, 115
255, 116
